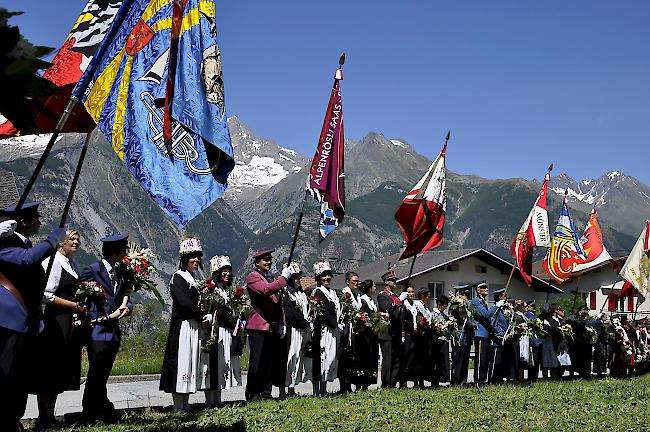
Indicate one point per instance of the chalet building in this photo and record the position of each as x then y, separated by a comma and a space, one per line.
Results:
442, 271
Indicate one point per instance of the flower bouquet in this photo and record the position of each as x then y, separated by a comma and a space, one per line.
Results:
567, 331
137, 269
347, 307
592, 335
241, 309
361, 320
536, 327
379, 322
89, 294
315, 307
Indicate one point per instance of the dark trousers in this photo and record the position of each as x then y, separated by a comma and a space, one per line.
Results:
481, 359
391, 351
101, 356
460, 364
441, 360
265, 349
13, 395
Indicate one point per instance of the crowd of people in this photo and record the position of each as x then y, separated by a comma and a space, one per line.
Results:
295, 334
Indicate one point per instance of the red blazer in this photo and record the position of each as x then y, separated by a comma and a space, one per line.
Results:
266, 309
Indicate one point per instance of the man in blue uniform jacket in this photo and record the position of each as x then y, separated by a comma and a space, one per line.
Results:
104, 342
482, 315
22, 283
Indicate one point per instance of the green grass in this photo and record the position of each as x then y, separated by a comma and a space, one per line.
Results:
597, 405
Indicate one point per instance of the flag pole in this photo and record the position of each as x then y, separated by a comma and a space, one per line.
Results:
77, 92
575, 293
73, 187
295, 234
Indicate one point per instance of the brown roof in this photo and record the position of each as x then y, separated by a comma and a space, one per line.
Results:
433, 259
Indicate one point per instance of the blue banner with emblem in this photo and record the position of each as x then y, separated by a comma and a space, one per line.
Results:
126, 96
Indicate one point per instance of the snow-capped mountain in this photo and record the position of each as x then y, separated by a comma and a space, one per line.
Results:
618, 197
260, 164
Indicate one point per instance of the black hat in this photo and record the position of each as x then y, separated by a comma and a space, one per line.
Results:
497, 293
118, 241
530, 302
581, 308
29, 210
389, 275
482, 284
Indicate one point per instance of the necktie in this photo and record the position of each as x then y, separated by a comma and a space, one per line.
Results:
28, 243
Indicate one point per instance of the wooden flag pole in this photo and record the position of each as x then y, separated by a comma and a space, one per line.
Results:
509, 279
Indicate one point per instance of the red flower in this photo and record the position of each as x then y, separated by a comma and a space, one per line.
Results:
144, 262
238, 292
316, 298
348, 296
127, 259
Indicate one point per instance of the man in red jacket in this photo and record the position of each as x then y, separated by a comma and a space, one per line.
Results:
265, 325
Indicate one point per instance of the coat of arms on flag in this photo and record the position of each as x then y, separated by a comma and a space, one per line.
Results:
325, 180
126, 97
592, 244
421, 216
566, 251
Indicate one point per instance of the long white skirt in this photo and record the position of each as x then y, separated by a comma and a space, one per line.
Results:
188, 357
329, 361
298, 366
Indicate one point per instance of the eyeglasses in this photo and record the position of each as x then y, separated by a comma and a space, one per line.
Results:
326, 278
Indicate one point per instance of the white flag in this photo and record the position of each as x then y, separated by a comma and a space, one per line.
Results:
636, 268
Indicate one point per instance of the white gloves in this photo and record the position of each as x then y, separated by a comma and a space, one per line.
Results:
286, 272
7, 228
501, 303
290, 270
403, 296
207, 318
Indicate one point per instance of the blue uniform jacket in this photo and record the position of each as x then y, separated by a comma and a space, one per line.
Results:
482, 315
108, 331
22, 266
499, 327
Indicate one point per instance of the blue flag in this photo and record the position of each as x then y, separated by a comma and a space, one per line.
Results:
126, 96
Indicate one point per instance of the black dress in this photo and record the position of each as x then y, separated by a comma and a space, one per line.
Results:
366, 353
57, 359
185, 299
409, 370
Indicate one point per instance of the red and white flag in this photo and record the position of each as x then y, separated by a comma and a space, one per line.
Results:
592, 244
636, 269
534, 232
421, 216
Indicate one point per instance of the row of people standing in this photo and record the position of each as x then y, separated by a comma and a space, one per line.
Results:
40, 347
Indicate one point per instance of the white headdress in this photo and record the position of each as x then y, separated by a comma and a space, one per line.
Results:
321, 267
218, 262
190, 245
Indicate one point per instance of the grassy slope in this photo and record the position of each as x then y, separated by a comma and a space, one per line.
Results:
545, 406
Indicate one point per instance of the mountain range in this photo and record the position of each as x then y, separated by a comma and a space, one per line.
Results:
266, 193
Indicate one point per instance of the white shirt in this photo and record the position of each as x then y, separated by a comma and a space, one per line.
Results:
369, 301
356, 303
61, 262
22, 237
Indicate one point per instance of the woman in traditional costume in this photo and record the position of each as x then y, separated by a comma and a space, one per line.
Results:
423, 338
180, 373
296, 312
326, 329
58, 347
366, 344
217, 339
408, 364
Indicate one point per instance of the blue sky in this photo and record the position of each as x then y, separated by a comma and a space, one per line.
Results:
519, 83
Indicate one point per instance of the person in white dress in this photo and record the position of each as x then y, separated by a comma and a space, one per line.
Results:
181, 368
